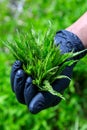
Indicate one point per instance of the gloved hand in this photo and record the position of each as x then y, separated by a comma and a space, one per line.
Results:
28, 94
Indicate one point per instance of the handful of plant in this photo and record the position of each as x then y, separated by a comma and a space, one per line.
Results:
41, 58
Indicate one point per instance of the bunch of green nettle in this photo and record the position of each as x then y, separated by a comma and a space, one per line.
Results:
41, 58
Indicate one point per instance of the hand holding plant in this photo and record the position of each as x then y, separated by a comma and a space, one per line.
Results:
42, 73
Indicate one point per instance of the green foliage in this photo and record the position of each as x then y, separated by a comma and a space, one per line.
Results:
41, 58
68, 115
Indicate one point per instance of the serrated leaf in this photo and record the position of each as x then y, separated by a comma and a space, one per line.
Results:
48, 87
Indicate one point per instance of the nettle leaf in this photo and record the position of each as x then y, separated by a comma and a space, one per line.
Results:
48, 87
41, 58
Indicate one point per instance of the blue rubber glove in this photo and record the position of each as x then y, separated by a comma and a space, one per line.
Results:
27, 93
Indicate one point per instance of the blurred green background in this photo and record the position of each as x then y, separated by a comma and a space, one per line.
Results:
20, 14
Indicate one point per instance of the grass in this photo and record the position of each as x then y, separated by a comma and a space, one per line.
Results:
15, 116
41, 58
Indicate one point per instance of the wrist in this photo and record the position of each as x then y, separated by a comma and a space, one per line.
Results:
79, 28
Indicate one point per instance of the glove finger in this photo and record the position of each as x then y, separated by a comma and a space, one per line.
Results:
42, 101
29, 91
17, 65
19, 83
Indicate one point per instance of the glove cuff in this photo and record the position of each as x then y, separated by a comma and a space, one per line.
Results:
69, 42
